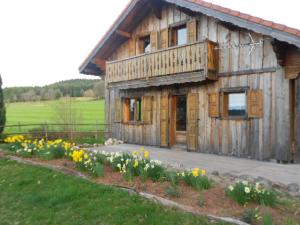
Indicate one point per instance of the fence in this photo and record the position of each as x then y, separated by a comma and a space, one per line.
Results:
72, 132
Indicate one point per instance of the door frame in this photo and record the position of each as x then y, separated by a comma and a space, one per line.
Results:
173, 117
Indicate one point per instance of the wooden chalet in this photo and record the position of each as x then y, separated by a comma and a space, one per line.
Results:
194, 75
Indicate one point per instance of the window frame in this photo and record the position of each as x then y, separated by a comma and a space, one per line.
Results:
142, 46
126, 101
224, 95
174, 34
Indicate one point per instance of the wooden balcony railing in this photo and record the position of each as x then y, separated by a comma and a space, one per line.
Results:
194, 57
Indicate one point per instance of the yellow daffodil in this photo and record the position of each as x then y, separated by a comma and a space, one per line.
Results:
195, 172
146, 154
136, 163
203, 172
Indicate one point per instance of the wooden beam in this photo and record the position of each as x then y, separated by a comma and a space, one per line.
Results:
123, 33
99, 62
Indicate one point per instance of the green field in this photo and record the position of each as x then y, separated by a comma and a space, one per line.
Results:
90, 111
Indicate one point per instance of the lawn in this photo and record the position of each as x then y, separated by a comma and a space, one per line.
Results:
40, 112
33, 195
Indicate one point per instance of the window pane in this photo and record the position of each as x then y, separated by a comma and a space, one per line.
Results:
181, 113
237, 104
147, 46
131, 109
181, 36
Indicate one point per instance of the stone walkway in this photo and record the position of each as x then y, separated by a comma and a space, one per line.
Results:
277, 173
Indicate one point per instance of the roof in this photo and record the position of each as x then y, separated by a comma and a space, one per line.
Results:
278, 31
247, 17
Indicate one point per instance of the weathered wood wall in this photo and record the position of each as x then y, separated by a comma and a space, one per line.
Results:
264, 138
297, 133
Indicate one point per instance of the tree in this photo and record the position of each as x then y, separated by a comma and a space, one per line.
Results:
99, 89
2, 108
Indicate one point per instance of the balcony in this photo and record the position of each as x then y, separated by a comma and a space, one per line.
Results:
197, 61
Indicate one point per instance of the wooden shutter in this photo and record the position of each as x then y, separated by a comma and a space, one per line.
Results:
192, 122
132, 46
164, 120
118, 110
126, 105
225, 103
164, 38
192, 30
140, 46
154, 40
255, 103
147, 109
214, 106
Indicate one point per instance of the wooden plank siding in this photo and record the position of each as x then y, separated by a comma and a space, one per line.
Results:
264, 137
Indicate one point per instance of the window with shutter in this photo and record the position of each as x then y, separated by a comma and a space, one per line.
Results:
164, 38
147, 109
214, 108
118, 110
255, 103
192, 30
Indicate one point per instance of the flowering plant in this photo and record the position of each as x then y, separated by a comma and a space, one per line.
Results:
196, 178
244, 192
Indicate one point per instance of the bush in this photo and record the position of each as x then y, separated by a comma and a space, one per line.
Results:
243, 193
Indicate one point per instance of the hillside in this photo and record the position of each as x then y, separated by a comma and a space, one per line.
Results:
74, 88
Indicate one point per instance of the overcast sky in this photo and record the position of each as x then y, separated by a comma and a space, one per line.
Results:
44, 41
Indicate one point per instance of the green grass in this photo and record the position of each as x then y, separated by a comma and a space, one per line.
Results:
40, 112
33, 195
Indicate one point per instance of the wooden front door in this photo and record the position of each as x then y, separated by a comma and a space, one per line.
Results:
178, 121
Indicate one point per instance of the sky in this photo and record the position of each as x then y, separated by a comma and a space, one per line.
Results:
45, 41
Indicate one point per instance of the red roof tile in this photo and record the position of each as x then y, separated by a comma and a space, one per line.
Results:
247, 17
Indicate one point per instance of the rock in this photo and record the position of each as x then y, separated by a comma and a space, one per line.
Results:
278, 186
215, 173
293, 187
247, 178
263, 181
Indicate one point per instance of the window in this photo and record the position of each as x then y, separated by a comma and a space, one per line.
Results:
181, 113
132, 110
237, 104
144, 44
179, 35
234, 103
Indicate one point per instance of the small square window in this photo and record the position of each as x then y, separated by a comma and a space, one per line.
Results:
144, 44
237, 104
179, 35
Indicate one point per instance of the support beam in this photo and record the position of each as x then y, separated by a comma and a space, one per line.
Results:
123, 33
99, 62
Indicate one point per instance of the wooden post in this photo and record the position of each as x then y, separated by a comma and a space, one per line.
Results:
96, 133
46, 131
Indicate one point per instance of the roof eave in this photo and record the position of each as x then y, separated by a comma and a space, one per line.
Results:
259, 28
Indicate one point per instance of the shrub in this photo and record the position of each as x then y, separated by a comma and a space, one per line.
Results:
244, 192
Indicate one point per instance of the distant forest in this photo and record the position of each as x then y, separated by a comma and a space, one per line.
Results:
74, 88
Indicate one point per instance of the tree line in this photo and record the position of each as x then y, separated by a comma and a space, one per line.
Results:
93, 88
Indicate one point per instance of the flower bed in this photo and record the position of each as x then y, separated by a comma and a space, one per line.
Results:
137, 170
137, 164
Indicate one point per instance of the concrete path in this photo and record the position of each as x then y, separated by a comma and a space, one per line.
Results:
277, 173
